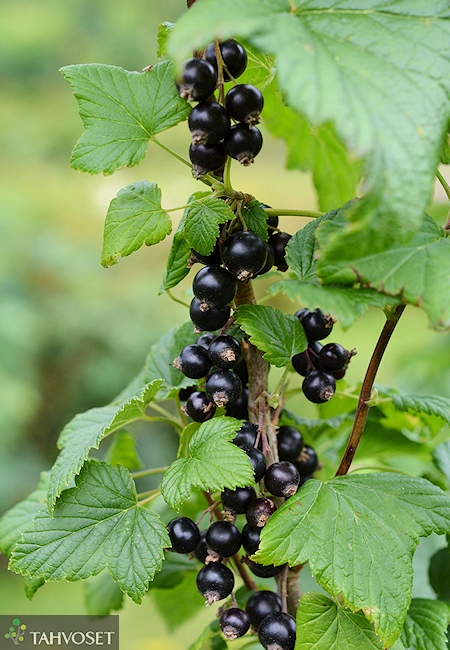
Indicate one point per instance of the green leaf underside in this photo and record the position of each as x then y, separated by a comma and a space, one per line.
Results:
121, 111
255, 219
201, 226
134, 217
425, 626
278, 335
87, 430
102, 595
214, 463
441, 458
358, 533
324, 625
123, 451
95, 525
430, 404
380, 72
31, 586
177, 263
14, 522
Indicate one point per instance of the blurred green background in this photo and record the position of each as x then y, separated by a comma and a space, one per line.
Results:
72, 334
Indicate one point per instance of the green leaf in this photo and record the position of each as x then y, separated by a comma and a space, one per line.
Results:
260, 70
185, 438
16, 520
134, 217
102, 595
425, 627
202, 223
301, 249
279, 335
325, 625
96, 525
86, 431
177, 263
160, 359
417, 272
359, 534
441, 458
173, 571
164, 30
430, 404
439, 573
32, 585
210, 639
213, 463
123, 451
255, 219
181, 602
121, 111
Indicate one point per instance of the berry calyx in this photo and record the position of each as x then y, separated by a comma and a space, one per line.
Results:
223, 538
261, 604
319, 386
199, 407
234, 58
333, 357
184, 534
234, 623
244, 103
198, 80
207, 158
223, 387
282, 479
237, 501
277, 632
244, 254
279, 241
243, 143
259, 512
208, 319
289, 443
225, 351
214, 286
208, 123
215, 582
316, 324
193, 362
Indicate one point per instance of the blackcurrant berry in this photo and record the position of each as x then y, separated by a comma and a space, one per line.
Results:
243, 143
215, 581
333, 357
184, 393
259, 512
307, 462
208, 319
316, 324
278, 241
282, 479
261, 604
237, 501
223, 538
258, 461
214, 286
251, 536
272, 222
213, 258
208, 123
198, 80
234, 58
223, 387
244, 103
184, 534
244, 254
339, 374
207, 158
234, 623
307, 360
241, 370
319, 386
224, 352
201, 550
199, 407
247, 434
205, 340
239, 408
193, 362
289, 443
277, 632
269, 262
264, 571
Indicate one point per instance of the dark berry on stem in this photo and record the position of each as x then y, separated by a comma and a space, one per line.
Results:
241, 370
270, 260
213, 258
225, 352
238, 500
257, 460
201, 550
247, 435
277, 632
239, 408
244, 254
214, 286
243, 143
223, 387
289, 443
199, 407
234, 57
251, 536
208, 319
184, 393
278, 241
234, 623
223, 538
215, 581
339, 374
319, 386
259, 512
244, 103
333, 357
198, 80
193, 362
261, 604
205, 339
207, 158
307, 462
208, 123
307, 360
184, 534
264, 571
316, 324
282, 479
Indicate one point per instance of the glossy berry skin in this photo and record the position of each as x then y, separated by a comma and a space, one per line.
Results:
247, 435
199, 407
193, 362
279, 241
339, 374
261, 604
264, 571
243, 143
251, 536
307, 462
208, 319
223, 387
234, 623
225, 352
319, 386
208, 123
207, 158
201, 550
184, 534
282, 479
198, 80
277, 632
316, 324
244, 254
257, 460
272, 222
213, 258
307, 360
289, 443
215, 581
234, 58
239, 408
269, 262
205, 340
259, 512
237, 501
214, 286
223, 538
333, 357
242, 371
244, 103
184, 393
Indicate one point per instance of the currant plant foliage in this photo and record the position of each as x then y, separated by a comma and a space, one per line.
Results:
360, 93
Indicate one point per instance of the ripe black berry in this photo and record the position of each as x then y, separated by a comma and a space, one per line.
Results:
184, 393
214, 286
239, 408
225, 351
193, 362
317, 325
246, 435
319, 386
333, 357
205, 339
223, 387
237, 501
278, 241
208, 123
198, 80
223, 538
270, 260
243, 143
251, 537
199, 407
277, 632
282, 479
244, 254
234, 623
234, 58
264, 571
184, 534
307, 360
244, 103
307, 462
215, 581
213, 258
241, 370
258, 461
201, 550
289, 443
261, 604
208, 319
259, 512
207, 158
339, 374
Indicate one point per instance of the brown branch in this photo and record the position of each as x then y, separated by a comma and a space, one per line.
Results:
362, 410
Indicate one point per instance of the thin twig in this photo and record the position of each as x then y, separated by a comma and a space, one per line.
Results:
148, 472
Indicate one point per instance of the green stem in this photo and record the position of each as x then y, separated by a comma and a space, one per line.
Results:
166, 416
274, 212
227, 177
154, 495
444, 183
148, 472
180, 207
172, 153
172, 297
279, 387
171, 421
